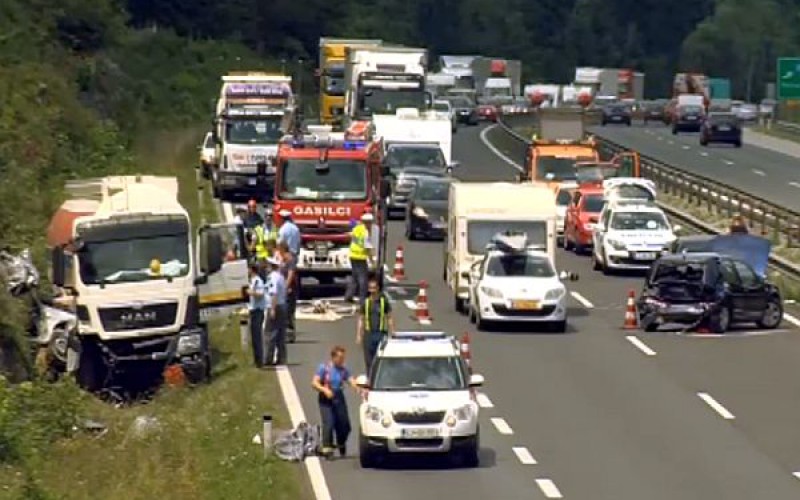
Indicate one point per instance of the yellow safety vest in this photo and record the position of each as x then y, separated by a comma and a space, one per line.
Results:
273, 233
261, 243
368, 313
358, 238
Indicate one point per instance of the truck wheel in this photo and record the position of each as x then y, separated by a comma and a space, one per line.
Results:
92, 370
458, 305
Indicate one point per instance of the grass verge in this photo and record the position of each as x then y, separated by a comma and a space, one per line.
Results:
202, 447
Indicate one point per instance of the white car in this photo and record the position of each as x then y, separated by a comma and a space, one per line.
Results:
445, 110
517, 286
420, 399
630, 235
208, 155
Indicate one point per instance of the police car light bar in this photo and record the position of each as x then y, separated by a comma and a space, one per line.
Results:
326, 142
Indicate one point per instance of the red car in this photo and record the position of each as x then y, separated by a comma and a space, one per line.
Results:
487, 112
587, 202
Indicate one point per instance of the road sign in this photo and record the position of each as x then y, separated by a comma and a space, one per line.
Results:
788, 78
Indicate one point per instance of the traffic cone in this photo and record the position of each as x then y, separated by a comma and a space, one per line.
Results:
423, 314
631, 322
399, 271
466, 351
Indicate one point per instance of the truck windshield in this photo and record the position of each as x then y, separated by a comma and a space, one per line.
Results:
133, 252
550, 168
333, 80
480, 233
341, 180
595, 173
497, 92
400, 157
387, 101
261, 131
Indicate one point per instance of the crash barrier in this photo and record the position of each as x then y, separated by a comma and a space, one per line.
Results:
422, 312
466, 350
399, 271
780, 224
631, 321
323, 310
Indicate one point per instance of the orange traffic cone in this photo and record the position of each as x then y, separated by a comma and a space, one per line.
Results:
466, 351
631, 322
399, 272
423, 314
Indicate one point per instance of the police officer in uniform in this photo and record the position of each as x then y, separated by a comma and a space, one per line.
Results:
276, 321
375, 322
360, 254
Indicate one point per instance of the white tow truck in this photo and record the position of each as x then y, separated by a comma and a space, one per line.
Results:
122, 254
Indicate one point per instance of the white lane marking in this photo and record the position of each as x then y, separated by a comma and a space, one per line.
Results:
410, 304
524, 455
583, 300
484, 401
791, 319
425, 322
794, 184
670, 142
660, 138
796, 474
549, 488
292, 399
723, 412
727, 162
703, 153
295, 409
759, 172
496, 151
686, 147
502, 426
640, 345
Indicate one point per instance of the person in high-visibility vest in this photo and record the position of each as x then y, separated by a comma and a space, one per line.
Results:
374, 323
360, 254
260, 238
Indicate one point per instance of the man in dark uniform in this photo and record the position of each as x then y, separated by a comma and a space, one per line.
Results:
375, 321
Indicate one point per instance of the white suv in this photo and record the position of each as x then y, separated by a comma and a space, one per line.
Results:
630, 235
420, 399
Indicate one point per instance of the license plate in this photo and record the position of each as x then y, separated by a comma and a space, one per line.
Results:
321, 252
525, 305
645, 256
617, 118
691, 118
423, 433
251, 182
724, 128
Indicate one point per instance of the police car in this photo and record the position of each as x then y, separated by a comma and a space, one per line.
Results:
630, 235
517, 282
420, 399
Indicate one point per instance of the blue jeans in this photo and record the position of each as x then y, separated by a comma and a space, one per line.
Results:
371, 342
335, 419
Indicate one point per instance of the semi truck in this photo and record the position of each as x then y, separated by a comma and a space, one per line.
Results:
254, 110
124, 260
613, 83
440, 84
331, 71
328, 180
497, 81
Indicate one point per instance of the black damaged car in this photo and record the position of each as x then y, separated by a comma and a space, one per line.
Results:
714, 288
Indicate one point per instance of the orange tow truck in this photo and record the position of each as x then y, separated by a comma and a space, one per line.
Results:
327, 181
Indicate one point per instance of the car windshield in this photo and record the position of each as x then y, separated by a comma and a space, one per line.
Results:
389, 100
340, 180
481, 232
432, 191
594, 204
133, 252
260, 131
528, 266
423, 373
638, 221
441, 106
686, 271
415, 157
629, 192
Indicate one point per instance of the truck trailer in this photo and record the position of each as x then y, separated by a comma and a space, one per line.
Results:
332, 58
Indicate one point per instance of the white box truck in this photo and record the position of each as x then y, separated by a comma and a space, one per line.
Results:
480, 210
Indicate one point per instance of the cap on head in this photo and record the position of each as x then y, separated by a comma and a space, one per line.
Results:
367, 217
285, 213
252, 204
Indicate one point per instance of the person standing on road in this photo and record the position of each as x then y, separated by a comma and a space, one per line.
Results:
289, 232
252, 218
360, 255
257, 307
329, 381
289, 271
276, 293
375, 322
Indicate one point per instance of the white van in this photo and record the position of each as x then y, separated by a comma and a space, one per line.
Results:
480, 210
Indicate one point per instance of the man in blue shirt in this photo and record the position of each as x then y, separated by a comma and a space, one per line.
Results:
329, 381
257, 307
289, 232
276, 294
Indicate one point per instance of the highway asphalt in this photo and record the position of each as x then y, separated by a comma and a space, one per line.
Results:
596, 413
764, 172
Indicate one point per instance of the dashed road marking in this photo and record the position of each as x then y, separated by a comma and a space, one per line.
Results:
583, 300
759, 172
723, 412
727, 162
791, 319
502, 426
425, 322
670, 142
640, 345
660, 138
796, 474
524, 455
410, 304
794, 184
484, 401
686, 147
703, 153
549, 488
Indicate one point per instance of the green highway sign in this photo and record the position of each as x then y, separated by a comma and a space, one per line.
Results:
788, 78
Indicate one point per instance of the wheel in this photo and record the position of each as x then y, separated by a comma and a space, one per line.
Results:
92, 370
603, 123
473, 317
470, 456
721, 321
773, 314
366, 456
628, 123
738, 144
674, 131
559, 326
410, 234
703, 142
458, 305
480, 324
595, 262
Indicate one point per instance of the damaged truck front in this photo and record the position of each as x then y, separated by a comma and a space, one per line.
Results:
122, 255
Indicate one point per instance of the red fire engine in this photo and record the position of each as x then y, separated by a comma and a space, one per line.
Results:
328, 181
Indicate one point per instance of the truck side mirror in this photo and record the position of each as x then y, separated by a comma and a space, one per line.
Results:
210, 251
59, 266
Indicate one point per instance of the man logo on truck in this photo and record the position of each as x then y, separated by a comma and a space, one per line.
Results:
138, 317
321, 211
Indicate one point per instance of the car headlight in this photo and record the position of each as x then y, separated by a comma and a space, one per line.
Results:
420, 212
616, 244
554, 294
189, 344
464, 413
374, 413
492, 292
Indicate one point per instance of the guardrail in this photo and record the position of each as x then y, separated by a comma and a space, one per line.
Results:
786, 127
777, 223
